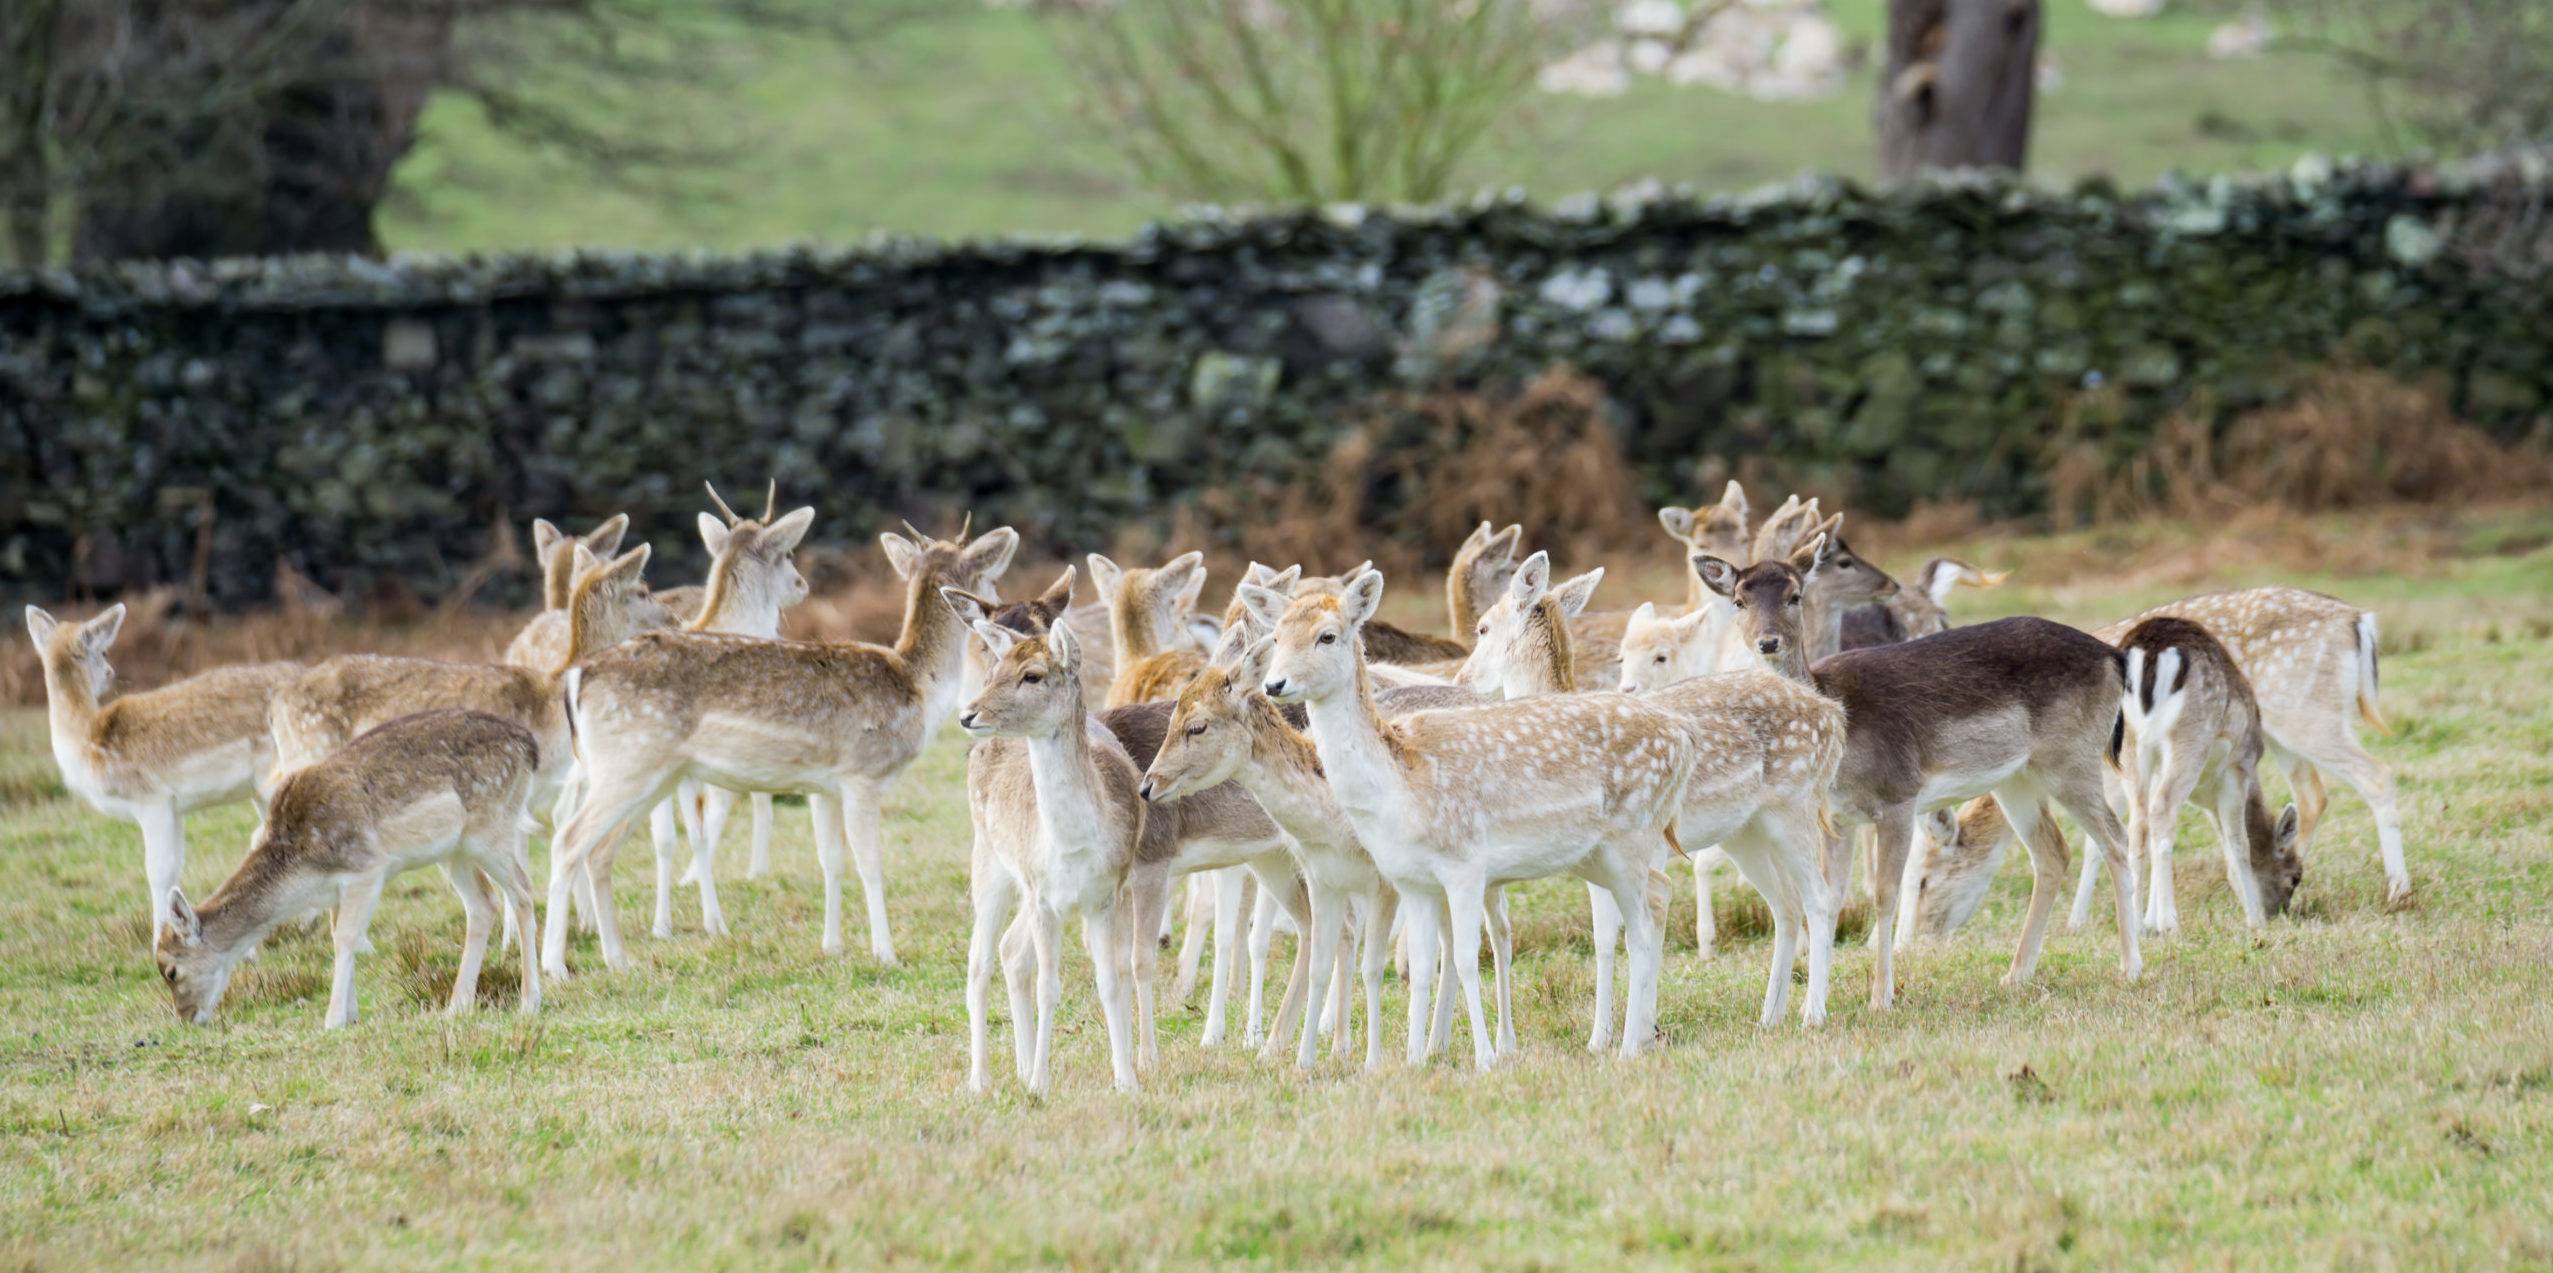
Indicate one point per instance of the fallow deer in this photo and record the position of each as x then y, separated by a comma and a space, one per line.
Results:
1783, 531
154, 757
1765, 751
543, 641
2022, 708
1059, 835
1914, 612
1147, 612
2194, 733
1451, 802
440, 788
2311, 662
835, 722
1717, 530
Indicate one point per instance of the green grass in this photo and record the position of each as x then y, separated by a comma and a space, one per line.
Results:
963, 124
2357, 1089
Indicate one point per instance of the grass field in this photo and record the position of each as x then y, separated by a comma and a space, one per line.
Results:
2359, 1089
962, 123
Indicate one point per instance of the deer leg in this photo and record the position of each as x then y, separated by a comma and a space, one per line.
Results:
1046, 930
2026, 810
1203, 888
354, 915
1262, 935
2374, 781
1322, 939
2079, 792
1100, 938
994, 895
511, 872
1896, 829
1294, 894
660, 835
1423, 920
1706, 922
829, 810
1465, 901
163, 859
2233, 832
1372, 953
699, 822
1644, 939
713, 915
1148, 887
607, 914
1757, 851
2116, 788
478, 915
2305, 787
2167, 787
1502, 953
1019, 979
600, 818
760, 864
1607, 917
863, 806
1227, 921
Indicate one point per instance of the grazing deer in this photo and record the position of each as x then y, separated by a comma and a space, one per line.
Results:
1450, 803
2022, 708
154, 757
1147, 615
543, 642
1059, 835
836, 722
1921, 611
2194, 732
2311, 662
439, 788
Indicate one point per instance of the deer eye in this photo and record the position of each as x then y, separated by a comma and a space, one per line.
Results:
1792, 600
1197, 730
1662, 658
1031, 678
1484, 627
1329, 638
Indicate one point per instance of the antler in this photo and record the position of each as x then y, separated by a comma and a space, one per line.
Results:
770, 500
729, 513
967, 525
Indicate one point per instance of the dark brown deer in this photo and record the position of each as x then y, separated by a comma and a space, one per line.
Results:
2022, 708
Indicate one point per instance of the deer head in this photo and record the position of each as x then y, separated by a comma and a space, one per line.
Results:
1214, 721
1661, 650
74, 654
1521, 646
1032, 690
1316, 652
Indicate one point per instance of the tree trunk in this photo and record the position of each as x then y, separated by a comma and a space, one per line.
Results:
1958, 86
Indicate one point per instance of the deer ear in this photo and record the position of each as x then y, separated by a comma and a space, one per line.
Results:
41, 626
713, 534
99, 633
1058, 596
1258, 573
1532, 580
1263, 606
1285, 580
1942, 826
632, 565
785, 534
183, 920
1642, 615
1812, 555
1250, 669
1065, 648
582, 561
1475, 541
2284, 835
1574, 594
545, 538
971, 608
1733, 501
901, 553
998, 640
1228, 650
990, 554
1186, 576
1106, 575
606, 538
1716, 575
1364, 597
1679, 523
1505, 542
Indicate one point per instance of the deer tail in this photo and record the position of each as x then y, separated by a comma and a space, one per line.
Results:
2367, 672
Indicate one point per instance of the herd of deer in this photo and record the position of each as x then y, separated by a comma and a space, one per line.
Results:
1362, 780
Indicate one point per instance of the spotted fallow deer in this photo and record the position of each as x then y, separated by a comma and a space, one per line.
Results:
1765, 752
1450, 803
1216, 830
440, 788
543, 642
154, 757
2311, 663
836, 722
1059, 835
2024, 709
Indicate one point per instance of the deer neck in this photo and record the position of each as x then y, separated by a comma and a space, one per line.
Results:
1283, 770
932, 647
256, 900
1458, 604
1130, 631
1555, 667
727, 605
1821, 630
1069, 804
1347, 734
71, 707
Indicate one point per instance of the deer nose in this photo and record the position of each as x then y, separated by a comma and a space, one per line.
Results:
1145, 790
1769, 645
966, 721
1275, 688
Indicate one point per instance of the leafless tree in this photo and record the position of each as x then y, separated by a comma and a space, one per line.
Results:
1956, 92
2456, 74
1307, 101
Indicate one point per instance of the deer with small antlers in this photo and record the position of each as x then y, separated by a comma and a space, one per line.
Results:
440, 788
836, 722
1452, 802
154, 757
2024, 709
543, 642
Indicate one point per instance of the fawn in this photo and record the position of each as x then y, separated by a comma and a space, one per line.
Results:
444, 788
